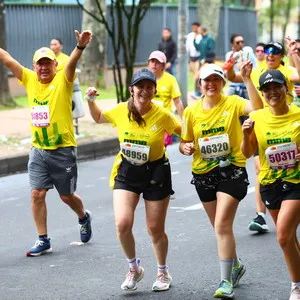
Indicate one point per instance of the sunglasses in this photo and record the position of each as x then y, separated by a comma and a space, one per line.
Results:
272, 50
239, 42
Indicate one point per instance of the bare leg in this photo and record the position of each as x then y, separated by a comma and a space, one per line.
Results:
156, 212
125, 203
39, 210
74, 202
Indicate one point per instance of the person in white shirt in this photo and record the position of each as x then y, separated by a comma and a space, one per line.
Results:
194, 55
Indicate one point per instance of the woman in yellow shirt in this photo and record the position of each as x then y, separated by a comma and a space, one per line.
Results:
211, 131
141, 167
275, 132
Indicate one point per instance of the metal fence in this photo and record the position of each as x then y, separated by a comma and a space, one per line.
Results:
32, 26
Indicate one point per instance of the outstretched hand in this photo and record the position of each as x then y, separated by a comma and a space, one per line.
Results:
291, 44
83, 38
246, 69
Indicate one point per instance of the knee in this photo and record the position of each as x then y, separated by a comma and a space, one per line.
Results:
124, 226
38, 196
156, 232
66, 198
223, 228
284, 237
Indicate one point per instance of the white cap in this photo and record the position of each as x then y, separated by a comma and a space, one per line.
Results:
211, 69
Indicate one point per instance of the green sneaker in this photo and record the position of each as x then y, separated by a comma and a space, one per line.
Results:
237, 273
225, 290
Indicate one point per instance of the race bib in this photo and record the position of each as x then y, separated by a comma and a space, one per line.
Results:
282, 156
214, 147
135, 154
40, 116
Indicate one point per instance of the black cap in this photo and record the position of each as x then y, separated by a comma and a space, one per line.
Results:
141, 75
271, 76
210, 56
277, 45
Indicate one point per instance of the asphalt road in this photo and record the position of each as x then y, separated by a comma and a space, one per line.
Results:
96, 270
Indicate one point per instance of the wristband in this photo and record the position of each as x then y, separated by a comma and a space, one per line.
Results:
90, 98
80, 48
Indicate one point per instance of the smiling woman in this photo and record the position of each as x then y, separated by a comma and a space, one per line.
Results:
276, 135
141, 167
212, 133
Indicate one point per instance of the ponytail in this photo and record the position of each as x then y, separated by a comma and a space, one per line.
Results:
133, 114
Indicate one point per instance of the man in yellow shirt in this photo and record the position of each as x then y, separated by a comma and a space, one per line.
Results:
52, 159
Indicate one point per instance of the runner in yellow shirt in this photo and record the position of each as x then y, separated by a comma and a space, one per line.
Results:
212, 133
168, 90
56, 46
141, 167
275, 132
274, 54
52, 159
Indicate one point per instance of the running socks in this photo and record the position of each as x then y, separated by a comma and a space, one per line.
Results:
226, 268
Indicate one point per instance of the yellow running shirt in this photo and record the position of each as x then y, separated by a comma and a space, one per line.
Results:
285, 70
220, 121
51, 110
149, 139
272, 131
61, 61
167, 89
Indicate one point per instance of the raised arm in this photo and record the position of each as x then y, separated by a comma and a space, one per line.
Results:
83, 39
11, 63
292, 45
249, 141
90, 95
254, 97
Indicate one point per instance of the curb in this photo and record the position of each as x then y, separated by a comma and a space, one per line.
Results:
85, 151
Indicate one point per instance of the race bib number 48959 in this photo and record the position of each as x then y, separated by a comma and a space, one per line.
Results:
136, 154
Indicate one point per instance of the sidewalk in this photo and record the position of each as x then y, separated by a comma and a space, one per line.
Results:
94, 140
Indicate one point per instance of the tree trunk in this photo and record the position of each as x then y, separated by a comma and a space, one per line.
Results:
271, 19
5, 97
209, 18
287, 19
93, 58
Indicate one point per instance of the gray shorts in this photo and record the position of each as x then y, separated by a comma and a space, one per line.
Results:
48, 168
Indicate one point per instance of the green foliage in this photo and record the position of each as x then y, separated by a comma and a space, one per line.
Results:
280, 12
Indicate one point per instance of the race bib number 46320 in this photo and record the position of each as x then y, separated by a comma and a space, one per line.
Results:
40, 116
214, 147
282, 156
136, 154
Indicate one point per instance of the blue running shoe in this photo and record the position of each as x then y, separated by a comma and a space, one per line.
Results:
225, 290
41, 246
86, 228
237, 273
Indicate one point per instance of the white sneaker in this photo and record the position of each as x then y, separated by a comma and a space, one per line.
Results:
163, 282
132, 278
295, 293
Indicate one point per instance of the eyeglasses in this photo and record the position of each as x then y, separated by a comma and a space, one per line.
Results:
272, 50
239, 42
259, 51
